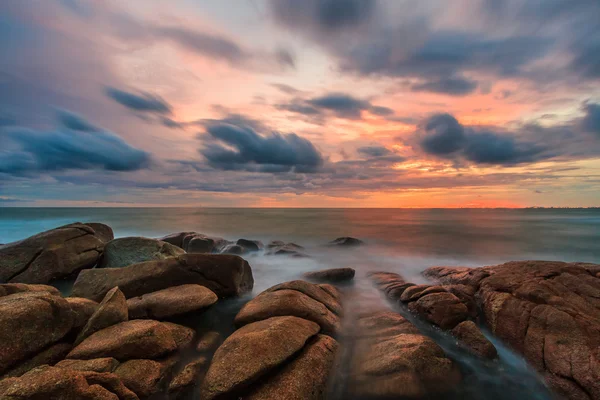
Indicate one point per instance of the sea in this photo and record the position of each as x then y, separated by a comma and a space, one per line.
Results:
405, 241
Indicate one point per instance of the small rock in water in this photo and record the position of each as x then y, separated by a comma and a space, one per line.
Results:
346, 241
331, 275
470, 337
250, 245
209, 342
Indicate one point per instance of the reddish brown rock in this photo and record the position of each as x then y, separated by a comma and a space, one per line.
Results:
12, 288
107, 364
183, 336
190, 376
143, 377
209, 342
226, 275
128, 340
333, 275
470, 337
304, 378
29, 322
415, 292
253, 351
442, 309
52, 254
82, 309
48, 356
170, 302
327, 295
288, 302
112, 310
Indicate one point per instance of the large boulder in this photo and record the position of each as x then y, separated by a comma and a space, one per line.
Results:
64, 384
132, 250
48, 356
194, 242
29, 322
547, 311
252, 352
327, 295
442, 309
53, 254
128, 340
112, 310
393, 360
226, 275
333, 275
176, 300
288, 302
304, 378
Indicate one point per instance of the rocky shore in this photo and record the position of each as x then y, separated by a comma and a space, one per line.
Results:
138, 322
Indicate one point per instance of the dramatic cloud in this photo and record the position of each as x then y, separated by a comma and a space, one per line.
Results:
451, 86
338, 104
143, 102
240, 147
443, 136
73, 146
374, 151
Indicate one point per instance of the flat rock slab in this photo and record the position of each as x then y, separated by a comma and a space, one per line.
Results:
253, 351
29, 322
226, 275
53, 254
176, 300
128, 340
125, 251
334, 275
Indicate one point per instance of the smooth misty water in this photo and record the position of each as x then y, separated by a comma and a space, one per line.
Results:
400, 240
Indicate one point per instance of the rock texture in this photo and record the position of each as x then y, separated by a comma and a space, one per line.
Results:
106, 364
132, 250
393, 360
53, 254
333, 275
143, 377
29, 322
253, 351
128, 340
82, 310
279, 248
191, 375
166, 303
547, 311
471, 337
112, 310
194, 242
12, 288
48, 356
226, 275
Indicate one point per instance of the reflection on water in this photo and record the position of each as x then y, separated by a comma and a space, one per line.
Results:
399, 240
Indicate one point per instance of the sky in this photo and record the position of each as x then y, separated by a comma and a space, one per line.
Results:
287, 103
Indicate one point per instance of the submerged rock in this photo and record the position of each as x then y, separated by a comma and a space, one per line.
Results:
226, 275
346, 241
279, 248
442, 309
209, 342
333, 275
253, 351
53, 254
250, 245
471, 337
112, 310
166, 303
132, 250
191, 375
29, 322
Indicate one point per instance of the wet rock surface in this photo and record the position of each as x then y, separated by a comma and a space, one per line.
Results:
132, 250
333, 275
170, 302
346, 241
53, 254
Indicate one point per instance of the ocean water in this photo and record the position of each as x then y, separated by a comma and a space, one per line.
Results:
405, 241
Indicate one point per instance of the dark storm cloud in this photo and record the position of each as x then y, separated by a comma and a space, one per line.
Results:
339, 104
75, 122
591, 120
374, 151
239, 147
452, 86
143, 102
77, 147
322, 15
443, 136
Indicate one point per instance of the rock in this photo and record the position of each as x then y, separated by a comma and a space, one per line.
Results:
49, 356
176, 239
393, 360
331, 275
12, 288
103, 232
125, 251
226, 275
52, 254
327, 295
166, 303
143, 377
127, 340
106, 364
253, 351
275, 243
288, 302
82, 309
112, 310
470, 337
233, 249
279, 248
29, 322
63, 384
209, 342
346, 242
191, 375
199, 243
547, 311
304, 378
413, 293
442, 309
250, 245
183, 336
